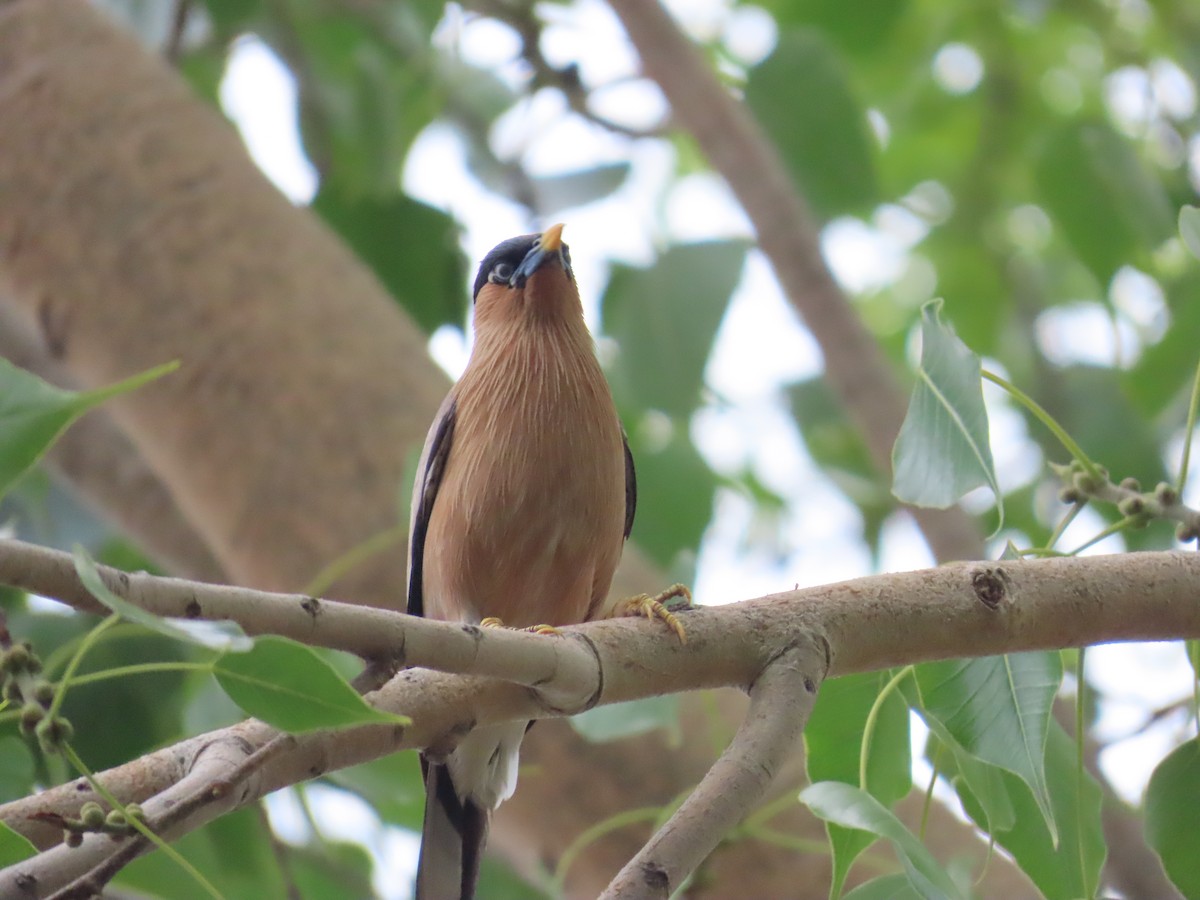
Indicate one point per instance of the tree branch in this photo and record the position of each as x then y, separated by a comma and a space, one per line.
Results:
781, 701
966, 609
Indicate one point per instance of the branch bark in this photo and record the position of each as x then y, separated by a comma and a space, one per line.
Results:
968, 609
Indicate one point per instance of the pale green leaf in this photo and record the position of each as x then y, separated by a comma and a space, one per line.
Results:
289, 686
942, 451
226, 636
33, 413
998, 709
1171, 799
1189, 229
850, 807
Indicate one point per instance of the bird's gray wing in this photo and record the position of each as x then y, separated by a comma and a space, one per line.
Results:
430, 469
630, 486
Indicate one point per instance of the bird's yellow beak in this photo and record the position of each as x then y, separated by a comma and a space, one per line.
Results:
549, 246
552, 238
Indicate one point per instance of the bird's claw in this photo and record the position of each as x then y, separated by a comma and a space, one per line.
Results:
493, 622
656, 608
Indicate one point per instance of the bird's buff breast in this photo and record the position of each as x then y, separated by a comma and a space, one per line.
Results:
530, 529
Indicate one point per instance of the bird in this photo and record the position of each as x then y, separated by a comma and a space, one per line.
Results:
524, 497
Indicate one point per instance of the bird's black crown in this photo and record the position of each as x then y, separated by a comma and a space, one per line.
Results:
512, 252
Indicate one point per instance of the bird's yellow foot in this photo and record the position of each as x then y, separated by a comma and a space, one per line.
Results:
493, 622
656, 608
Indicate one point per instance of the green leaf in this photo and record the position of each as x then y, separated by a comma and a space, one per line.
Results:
802, 97
232, 17
852, 808
942, 450
675, 492
289, 686
1171, 816
887, 887
14, 848
392, 785
1057, 867
34, 413
411, 247
998, 709
16, 769
833, 741
622, 720
857, 28
212, 635
665, 318
969, 774
1108, 205
367, 85
554, 193
331, 870
1164, 371
235, 852
1189, 229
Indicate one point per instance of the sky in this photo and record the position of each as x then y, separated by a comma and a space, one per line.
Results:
761, 346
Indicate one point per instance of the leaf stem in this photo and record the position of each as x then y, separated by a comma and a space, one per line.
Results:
1048, 420
872, 720
1107, 532
139, 669
84, 645
1064, 523
1080, 687
1189, 429
139, 825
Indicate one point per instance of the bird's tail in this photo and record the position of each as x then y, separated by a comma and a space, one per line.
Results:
453, 837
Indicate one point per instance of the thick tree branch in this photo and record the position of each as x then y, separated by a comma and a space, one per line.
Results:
967, 609
564, 671
781, 700
788, 235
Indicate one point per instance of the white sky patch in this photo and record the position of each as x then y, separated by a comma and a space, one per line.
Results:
259, 94
701, 207
633, 103
1086, 332
862, 258
1083, 528
1135, 679
957, 68
589, 35
1140, 299
903, 546
750, 34
1173, 88
1130, 98
761, 343
491, 45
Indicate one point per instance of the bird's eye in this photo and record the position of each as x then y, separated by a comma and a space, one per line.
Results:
501, 273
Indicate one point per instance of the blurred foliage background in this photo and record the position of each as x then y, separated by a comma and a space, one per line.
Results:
1024, 161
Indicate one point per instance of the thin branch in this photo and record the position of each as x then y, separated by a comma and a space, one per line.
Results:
781, 701
210, 782
179, 20
563, 671
523, 20
789, 237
